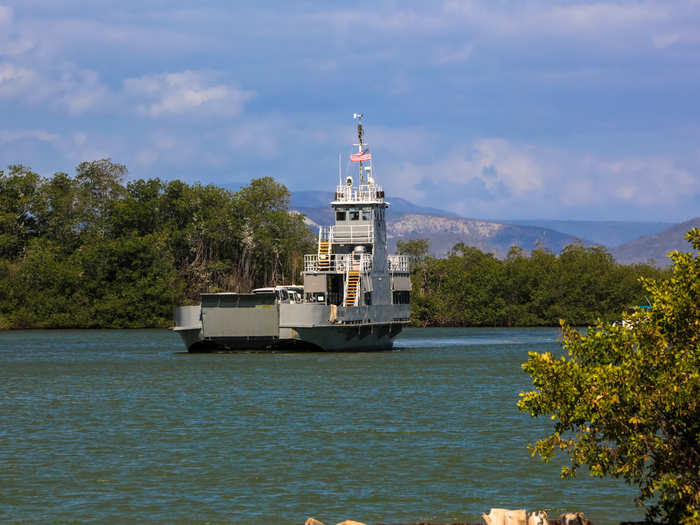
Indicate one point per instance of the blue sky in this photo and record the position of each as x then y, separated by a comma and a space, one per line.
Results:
492, 109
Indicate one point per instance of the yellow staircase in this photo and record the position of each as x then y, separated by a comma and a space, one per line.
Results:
324, 255
353, 283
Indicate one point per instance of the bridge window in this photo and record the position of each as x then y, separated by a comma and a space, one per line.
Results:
354, 215
340, 215
366, 214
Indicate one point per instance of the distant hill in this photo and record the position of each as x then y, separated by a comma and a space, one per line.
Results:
607, 233
443, 232
656, 247
491, 237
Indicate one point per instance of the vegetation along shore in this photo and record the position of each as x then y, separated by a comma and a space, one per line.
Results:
94, 251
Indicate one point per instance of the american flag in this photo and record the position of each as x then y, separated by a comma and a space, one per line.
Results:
361, 157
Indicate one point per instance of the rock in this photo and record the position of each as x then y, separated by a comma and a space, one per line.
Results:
505, 517
538, 518
516, 517
495, 517
350, 522
574, 518
312, 521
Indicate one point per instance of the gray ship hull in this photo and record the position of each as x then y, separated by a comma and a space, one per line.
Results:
359, 338
282, 327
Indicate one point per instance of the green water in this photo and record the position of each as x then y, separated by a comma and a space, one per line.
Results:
122, 426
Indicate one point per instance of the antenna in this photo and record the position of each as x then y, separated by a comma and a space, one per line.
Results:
358, 117
360, 132
340, 172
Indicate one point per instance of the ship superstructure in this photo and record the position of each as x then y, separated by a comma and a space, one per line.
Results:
355, 296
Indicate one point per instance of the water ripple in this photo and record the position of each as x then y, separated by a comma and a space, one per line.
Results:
122, 426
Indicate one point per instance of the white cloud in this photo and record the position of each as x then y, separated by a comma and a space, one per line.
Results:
649, 181
257, 137
500, 178
186, 92
11, 48
455, 56
665, 40
496, 161
127, 30
15, 80
5, 15
7, 135
493, 164
12, 41
590, 17
64, 88
454, 32
406, 142
79, 91
548, 18
76, 91
80, 138
393, 20
167, 147
146, 157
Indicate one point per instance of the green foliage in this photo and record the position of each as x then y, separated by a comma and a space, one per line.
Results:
92, 251
472, 288
18, 203
626, 399
99, 187
271, 236
416, 248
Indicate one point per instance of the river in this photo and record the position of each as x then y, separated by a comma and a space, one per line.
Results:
117, 426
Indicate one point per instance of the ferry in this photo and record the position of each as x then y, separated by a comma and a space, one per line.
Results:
354, 297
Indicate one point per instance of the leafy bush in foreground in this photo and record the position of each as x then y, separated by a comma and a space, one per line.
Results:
626, 400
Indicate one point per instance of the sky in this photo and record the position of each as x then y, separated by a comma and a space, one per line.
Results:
493, 109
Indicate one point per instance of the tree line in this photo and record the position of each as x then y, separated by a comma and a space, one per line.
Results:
92, 250
473, 288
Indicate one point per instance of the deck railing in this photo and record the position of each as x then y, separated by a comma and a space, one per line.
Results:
399, 263
338, 263
361, 193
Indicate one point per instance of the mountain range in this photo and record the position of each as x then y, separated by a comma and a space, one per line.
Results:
606, 233
656, 246
628, 241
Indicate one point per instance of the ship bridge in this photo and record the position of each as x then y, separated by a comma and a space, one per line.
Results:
354, 210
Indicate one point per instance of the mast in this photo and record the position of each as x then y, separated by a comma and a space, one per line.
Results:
360, 133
